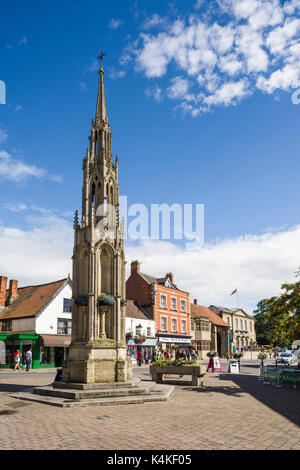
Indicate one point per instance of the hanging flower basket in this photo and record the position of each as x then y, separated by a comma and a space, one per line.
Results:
238, 355
81, 301
105, 300
123, 302
211, 354
262, 356
139, 339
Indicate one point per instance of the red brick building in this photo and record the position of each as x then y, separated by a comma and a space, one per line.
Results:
165, 303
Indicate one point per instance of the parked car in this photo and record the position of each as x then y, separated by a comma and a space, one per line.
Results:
286, 358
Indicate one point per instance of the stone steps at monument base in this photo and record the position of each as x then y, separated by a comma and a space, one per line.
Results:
160, 393
83, 386
140, 389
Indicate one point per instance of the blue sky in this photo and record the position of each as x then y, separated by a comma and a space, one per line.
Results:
199, 100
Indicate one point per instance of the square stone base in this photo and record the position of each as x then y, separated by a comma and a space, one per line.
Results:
103, 361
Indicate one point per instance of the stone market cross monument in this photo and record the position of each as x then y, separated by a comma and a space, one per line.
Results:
98, 348
98, 371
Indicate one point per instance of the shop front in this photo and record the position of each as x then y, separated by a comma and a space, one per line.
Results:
133, 348
169, 341
54, 350
47, 350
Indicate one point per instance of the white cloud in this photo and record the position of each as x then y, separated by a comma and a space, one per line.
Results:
155, 20
255, 264
82, 86
257, 43
283, 79
115, 23
40, 254
3, 135
178, 89
227, 94
93, 66
23, 41
14, 207
155, 92
278, 39
115, 74
18, 171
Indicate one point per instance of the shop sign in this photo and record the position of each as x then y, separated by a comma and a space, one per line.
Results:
174, 340
234, 367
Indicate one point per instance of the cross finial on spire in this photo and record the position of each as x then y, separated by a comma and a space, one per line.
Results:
101, 57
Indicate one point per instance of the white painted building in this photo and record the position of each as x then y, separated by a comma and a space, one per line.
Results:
36, 317
138, 322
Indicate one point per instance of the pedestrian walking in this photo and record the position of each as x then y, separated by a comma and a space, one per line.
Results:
139, 358
28, 356
17, 358
154, 355
146, 356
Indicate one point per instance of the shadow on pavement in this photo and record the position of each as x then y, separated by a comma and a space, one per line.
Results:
230, 391
15, 388
284, 401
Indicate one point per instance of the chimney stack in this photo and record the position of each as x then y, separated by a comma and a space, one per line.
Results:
3, 284
195, 301
13, 290
135, 266
171, 277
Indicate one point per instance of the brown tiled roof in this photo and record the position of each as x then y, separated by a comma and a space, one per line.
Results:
133, 311
31, 299
201, 311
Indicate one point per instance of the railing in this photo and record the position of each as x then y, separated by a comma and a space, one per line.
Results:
281, 376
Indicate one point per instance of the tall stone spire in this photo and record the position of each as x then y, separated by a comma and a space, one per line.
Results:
101, 106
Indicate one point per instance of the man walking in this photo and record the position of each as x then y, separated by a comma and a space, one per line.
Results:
28, 359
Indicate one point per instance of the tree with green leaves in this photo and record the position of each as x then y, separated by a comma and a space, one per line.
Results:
280, 315
264, 323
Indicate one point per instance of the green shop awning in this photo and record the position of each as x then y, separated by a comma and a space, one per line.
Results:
18, 336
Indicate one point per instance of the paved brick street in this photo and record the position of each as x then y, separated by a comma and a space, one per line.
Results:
230, 412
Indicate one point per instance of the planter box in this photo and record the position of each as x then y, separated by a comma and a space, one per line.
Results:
197, 373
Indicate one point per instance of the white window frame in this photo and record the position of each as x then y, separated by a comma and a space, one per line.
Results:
161, 304
176, 328
183, 309
165, 318
183, 322
172, 300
